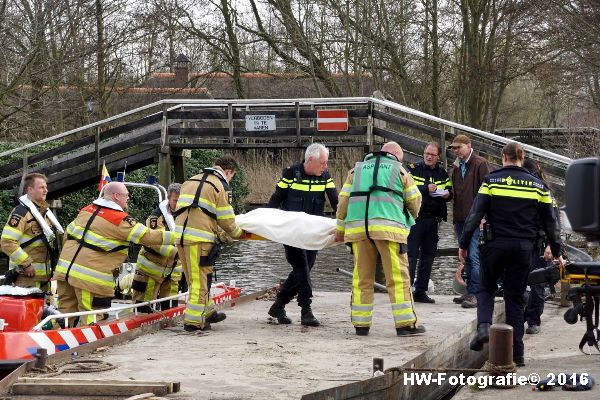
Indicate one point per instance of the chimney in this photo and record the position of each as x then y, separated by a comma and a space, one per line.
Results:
182, 70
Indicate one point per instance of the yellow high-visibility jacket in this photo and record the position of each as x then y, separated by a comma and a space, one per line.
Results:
22, 241
159, 261
104, 246
198, 222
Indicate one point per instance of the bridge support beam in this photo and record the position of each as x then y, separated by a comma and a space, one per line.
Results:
164, 168
178, 161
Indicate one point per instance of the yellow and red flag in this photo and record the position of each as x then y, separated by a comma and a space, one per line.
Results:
104, 177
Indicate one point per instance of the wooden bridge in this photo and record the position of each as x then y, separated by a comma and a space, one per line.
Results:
161, 131
548, 138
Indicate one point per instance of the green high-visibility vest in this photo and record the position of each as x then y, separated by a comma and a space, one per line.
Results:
385, 198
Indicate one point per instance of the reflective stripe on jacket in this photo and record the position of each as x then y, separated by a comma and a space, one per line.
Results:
157, 261
298, 191
213, 209
93, 267
22, 241
391, 212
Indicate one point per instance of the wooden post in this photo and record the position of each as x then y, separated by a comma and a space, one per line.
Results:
25, 172
298, 136
370, 127
164, 156
443, 146
230, 124
97, 148
178, 161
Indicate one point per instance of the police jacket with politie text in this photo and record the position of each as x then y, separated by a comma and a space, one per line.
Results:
515, 204
23, 242
431, 207
96, 244
298, 191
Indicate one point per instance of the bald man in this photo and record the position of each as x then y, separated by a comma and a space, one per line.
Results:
378, 204
96, 244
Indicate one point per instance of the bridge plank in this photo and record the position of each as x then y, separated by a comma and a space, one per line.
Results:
178, 133
396, 119
85, 175
11, 167
215, 114
197, 145
77, 159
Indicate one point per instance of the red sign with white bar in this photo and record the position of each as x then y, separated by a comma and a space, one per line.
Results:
332, 120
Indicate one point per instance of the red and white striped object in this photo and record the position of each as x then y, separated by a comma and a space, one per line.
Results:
332, 120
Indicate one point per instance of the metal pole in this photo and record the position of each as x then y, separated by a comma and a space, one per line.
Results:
348, 273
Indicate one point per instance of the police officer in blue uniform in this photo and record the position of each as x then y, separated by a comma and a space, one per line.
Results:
436, 190
302, 187
515, 204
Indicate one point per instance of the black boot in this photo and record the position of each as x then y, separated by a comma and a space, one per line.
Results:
215, 317
277, 310
482, 336
307, 318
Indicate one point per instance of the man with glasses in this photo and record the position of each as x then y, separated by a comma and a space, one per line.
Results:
96, 244
436, 190
467, 175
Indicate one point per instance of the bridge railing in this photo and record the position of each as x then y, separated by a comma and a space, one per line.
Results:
182, 123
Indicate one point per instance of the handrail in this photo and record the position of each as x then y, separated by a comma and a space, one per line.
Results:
118, 309
178, 103
81, 128
487, 135
193, 102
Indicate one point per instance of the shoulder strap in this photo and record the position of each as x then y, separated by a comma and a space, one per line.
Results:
195, 202
87, 227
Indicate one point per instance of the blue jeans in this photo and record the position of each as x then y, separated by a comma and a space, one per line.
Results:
472, 267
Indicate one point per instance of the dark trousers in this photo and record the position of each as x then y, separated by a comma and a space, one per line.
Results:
509, 260
422, 245
472, 264
535, 302
298, 282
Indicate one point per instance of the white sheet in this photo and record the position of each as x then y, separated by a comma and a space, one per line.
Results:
293, 228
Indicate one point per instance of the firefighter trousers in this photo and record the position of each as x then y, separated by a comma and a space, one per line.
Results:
199, 305
397, 280
73, 299
147, 287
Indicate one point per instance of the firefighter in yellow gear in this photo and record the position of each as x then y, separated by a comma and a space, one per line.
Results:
158, 270
203, 206
96, 244
29, 236
378, 204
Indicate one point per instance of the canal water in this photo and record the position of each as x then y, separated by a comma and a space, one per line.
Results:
257, 265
